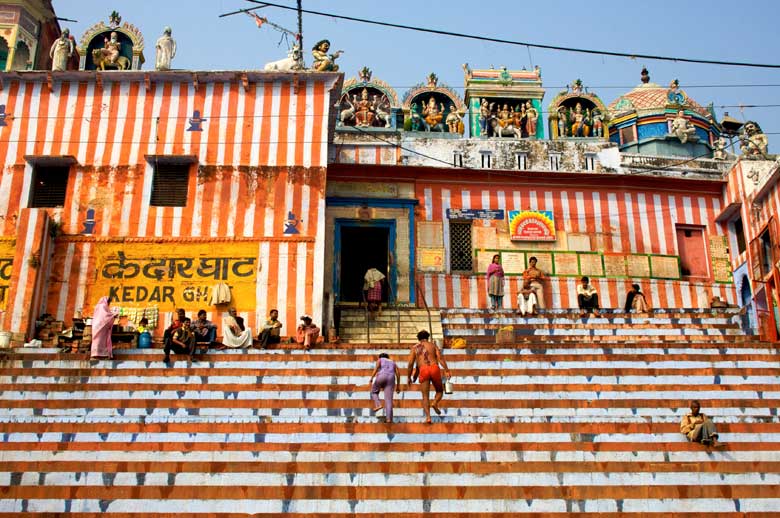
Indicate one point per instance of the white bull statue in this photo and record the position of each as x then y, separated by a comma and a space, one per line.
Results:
293, 61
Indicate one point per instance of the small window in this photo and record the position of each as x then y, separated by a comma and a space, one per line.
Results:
626, 135
49, 185
486, 159
522, 161
555, 161
460, 246
739, 233
170, 185
590, 162
457, 159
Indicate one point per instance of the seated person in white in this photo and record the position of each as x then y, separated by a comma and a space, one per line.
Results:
526, 299
236, 335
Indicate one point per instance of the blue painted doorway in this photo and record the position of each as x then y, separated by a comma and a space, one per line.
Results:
360, 245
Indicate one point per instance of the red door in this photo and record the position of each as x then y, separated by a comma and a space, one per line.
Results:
693, 252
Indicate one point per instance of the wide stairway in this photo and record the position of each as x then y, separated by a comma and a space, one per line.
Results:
544, 427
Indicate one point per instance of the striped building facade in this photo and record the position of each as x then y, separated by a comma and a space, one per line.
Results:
254, 149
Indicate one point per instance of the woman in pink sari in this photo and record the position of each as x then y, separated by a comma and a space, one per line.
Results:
102, 322
495, 282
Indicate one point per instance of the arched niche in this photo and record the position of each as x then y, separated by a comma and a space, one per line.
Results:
433, 107
367, 103
21, 56
131, 39
577, 114
3, 54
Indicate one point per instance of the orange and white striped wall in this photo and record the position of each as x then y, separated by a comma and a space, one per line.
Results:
259, 157
620, 217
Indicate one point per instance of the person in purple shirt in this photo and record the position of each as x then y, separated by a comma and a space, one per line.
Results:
387, 377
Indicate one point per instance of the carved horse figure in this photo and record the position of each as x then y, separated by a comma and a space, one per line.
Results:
101, 63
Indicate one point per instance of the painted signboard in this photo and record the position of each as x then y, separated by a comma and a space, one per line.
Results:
430, 259
170, 275
531, 225
7, 250
475, 214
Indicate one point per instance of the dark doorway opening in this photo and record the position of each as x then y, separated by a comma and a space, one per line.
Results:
362, 248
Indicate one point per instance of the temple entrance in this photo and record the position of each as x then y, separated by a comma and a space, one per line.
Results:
360, 246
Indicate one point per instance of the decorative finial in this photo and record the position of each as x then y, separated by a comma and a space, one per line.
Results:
674, 85
433, 80
365, 75
645, 75
576, 86
114, 19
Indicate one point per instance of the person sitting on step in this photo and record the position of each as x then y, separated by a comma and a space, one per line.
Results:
697, 427
204, 330
307, 333
636, 301
235, 334
182, 342
587, 298
271, 332
526, 299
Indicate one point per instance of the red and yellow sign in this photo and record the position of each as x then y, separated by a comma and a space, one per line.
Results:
7, 251
531, 225
171, 275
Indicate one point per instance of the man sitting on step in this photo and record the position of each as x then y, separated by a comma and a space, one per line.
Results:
182, 342
697, 427
587, 298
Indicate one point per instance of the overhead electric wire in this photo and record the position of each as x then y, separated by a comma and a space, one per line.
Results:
523, 43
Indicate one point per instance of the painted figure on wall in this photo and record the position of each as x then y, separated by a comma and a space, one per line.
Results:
532, 116
454, 124
61, 51
324, 62
166, 50
484, 117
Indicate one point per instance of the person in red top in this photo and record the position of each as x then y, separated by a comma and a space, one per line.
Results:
427, 357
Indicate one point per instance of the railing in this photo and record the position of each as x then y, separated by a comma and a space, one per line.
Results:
421, 295
705, 165
397, 313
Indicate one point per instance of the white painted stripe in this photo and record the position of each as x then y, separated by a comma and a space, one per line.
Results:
24, 271
187, 136
208, 111
716, 210
473, 292
661, 231
108, 204
567, 223
84, 274
465, 199
104, 114
119, 135
630, 215
261, 282
687, 210
581, 219
292, 119
51, 117
70, 117
308, 124
158, 220
318, 277
428, 202
223, 122
442, 287
614, 221
145, 198
274, 138
235, 178
445, 231
533, 200
456, 294
62, 300
282, 281
516, 201
24, 195
644, 224
486, 199
300, 277
597, 212
138, 124
172, 119
16, 128
32, 128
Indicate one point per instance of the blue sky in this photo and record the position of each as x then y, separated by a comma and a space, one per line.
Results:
714, 30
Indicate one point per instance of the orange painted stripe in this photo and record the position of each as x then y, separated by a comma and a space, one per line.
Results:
320, 111
45, 98
14, 118
285, 92
202, 492
127, 137
265, 132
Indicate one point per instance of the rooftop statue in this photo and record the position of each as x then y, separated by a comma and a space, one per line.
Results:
61, 51
166, 50
719, 149
324, 62
753, 142
110, 55
682, 127
293, 61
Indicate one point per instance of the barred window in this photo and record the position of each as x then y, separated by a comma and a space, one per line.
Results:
555, 161
590, 162
522, 161
170, 185
460, 246
49, 185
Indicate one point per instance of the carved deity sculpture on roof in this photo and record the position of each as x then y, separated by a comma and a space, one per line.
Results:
364, 110
433, 113
166, 50
112, 48
324, 62
682, 127
61, 51
753, 142
579, 126
719, 148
